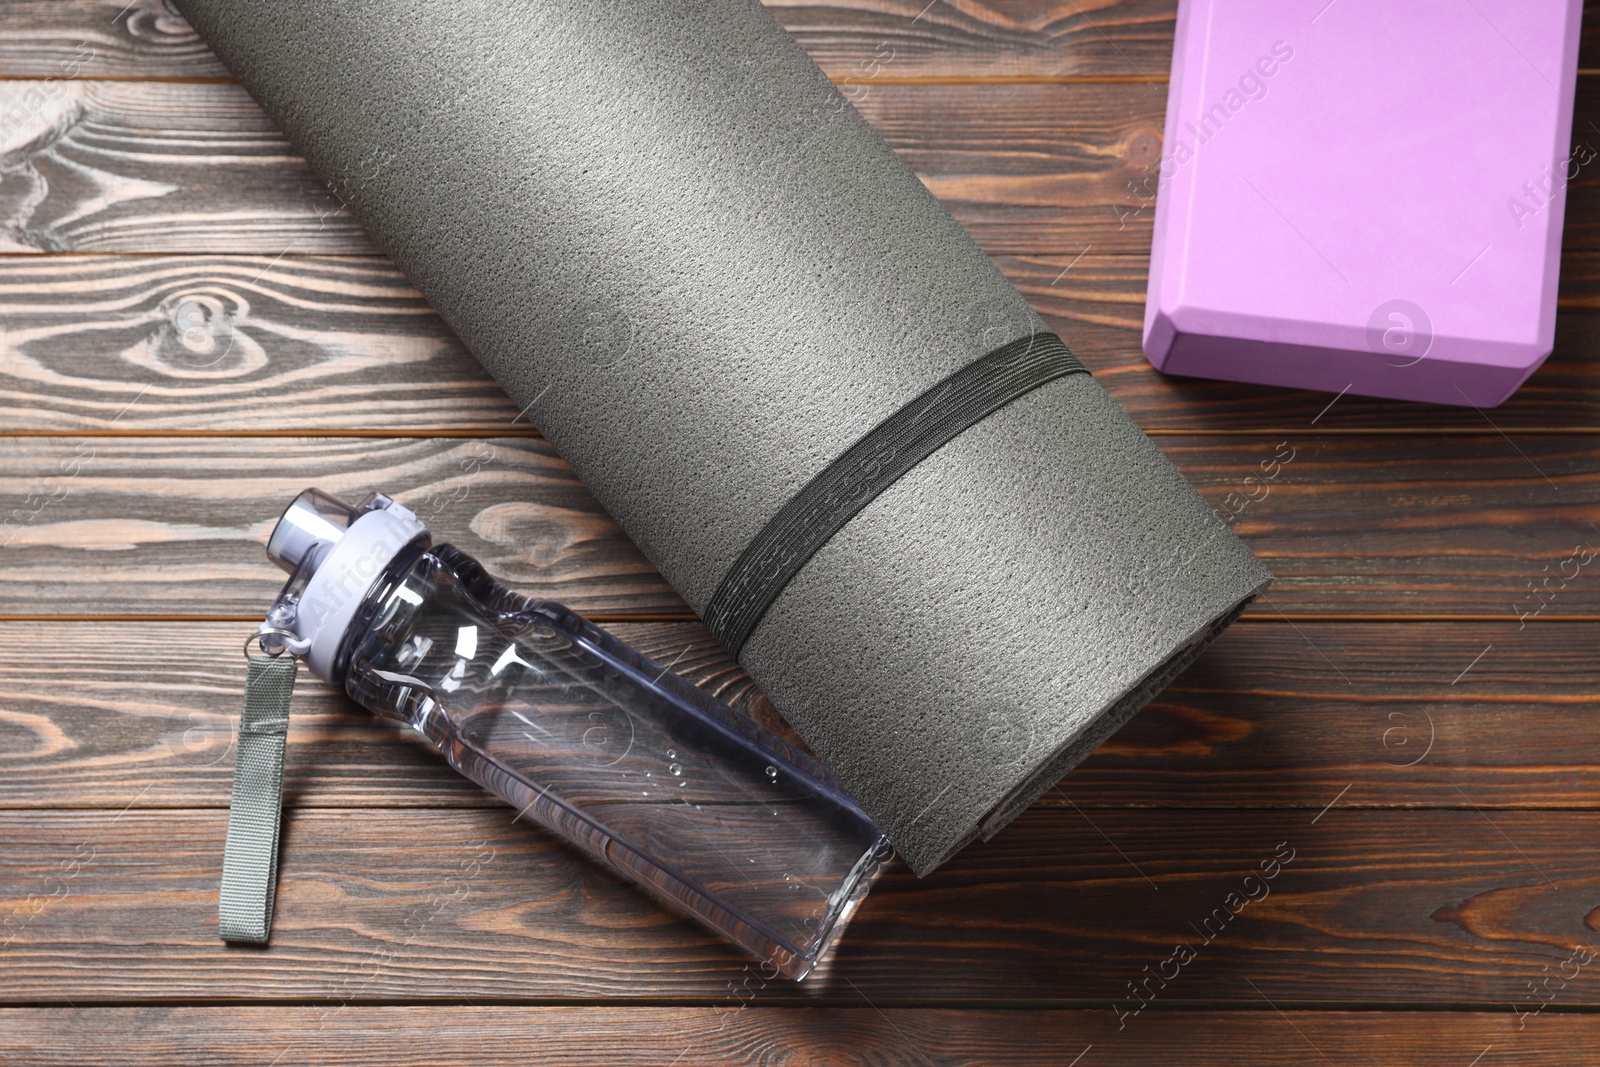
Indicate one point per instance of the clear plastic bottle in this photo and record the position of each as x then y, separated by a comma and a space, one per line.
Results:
644, 773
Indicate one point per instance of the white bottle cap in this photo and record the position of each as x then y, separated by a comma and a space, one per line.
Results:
335, 553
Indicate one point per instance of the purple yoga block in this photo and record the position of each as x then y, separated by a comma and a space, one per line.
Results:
1365, 195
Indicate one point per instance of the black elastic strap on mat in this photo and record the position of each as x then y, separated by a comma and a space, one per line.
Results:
870, 466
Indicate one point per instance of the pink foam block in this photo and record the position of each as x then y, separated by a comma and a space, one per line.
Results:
1365, 195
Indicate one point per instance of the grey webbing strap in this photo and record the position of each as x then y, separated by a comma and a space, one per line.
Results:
250, 860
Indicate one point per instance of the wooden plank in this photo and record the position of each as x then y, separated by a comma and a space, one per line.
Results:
1029, 169
232, 343
328, 344
856, 42
176, 525
850, 39
1057, 169
1001, 157
116, 714
1385, 525
1400, 714
612, 1036
1033, 169
1352, 525
1011, 38
1063, 908
97, 166
144, 714
102, 39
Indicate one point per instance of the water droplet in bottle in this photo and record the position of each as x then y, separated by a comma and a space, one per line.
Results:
772, 773
672, 753
675, 769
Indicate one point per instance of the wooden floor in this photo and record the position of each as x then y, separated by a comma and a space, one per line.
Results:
192, 330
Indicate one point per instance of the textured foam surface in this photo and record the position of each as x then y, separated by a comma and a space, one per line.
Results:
663, 230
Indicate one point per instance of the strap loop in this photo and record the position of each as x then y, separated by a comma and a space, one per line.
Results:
250, 861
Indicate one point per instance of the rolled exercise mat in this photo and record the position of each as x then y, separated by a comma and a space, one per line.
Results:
949, 559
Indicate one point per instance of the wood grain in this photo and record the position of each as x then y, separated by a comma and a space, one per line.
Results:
318, 344
735, 1034
1386, 525
145, 714
98, 526
1352, 525
1063, 908
116, 714
1032, 169
1058, 169
205, 343
853, 42
850, 39
95, 167
104, 166
1029, 169
102, 39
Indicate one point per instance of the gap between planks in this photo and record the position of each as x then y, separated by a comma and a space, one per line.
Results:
489, 433
603, 617
1065, 1004
490, 801
1159, 78
851, 1001
848, 79
596, 617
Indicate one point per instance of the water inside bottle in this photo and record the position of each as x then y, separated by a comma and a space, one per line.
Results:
644, 773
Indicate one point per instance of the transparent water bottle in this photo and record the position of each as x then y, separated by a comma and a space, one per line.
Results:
641, 771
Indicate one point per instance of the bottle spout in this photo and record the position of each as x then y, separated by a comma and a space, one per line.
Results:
333, 552
314, 522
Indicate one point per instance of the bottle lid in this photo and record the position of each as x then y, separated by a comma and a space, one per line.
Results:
334, 554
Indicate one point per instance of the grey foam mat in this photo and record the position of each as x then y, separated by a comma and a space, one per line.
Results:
665, 232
